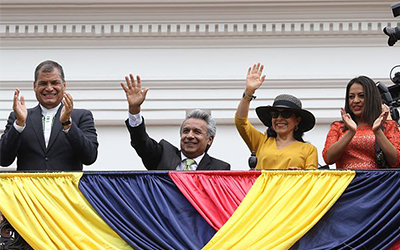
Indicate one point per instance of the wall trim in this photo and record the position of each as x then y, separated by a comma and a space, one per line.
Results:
193, 34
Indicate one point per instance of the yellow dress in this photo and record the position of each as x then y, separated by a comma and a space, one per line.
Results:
298, 154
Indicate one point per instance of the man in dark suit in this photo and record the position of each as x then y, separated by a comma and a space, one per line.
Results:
53, 135
197, 134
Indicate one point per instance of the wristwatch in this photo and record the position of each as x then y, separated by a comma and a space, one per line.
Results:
66, 123
247, 97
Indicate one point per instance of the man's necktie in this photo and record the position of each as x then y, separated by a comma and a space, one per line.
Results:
189, 162
47, 128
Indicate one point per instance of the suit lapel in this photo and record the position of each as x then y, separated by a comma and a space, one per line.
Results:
204, 163
174, 161
37, 123
56, 128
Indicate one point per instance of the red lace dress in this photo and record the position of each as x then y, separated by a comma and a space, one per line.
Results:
360, 153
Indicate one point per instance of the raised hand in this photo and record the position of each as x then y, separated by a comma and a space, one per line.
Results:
135, 95
19, 108
378, 123
67, 109
254, 79
348, 121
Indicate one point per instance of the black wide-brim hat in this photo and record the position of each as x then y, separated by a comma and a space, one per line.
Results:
291, 103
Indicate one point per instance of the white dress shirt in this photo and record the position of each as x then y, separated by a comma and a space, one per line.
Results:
48, 115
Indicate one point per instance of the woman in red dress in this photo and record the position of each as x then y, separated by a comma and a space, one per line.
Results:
351, 143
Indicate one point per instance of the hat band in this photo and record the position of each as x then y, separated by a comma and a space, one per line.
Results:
286, 104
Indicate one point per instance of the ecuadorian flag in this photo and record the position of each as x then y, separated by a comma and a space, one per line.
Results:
205, 210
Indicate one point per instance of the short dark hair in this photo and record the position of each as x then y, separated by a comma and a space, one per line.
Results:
48, 66
297, 133
372, 100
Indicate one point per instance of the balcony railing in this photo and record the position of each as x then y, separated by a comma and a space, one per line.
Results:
10, 238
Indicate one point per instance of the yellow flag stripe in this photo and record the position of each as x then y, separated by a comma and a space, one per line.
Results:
50, 212
280, 208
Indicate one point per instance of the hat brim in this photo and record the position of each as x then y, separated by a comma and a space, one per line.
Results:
307, 118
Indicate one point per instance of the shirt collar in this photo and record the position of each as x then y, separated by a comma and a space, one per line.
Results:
197, 159
52, 111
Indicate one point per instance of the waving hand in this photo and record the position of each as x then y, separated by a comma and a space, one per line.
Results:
135, 94
254, 79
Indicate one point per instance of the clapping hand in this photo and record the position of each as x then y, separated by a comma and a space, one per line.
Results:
386, 108
67, 109
378, 123
19, 108
348, 121
135, 95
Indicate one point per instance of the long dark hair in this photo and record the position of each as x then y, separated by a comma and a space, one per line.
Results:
372, 100
297, 134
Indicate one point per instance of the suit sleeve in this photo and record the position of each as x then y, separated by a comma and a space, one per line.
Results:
214, 164
227, 167
83, 138
9, 143
220, 165
147, 148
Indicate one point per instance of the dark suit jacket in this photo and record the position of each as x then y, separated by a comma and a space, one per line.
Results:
163, 155
65, 151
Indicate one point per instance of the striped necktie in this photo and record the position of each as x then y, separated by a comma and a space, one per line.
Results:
189, 162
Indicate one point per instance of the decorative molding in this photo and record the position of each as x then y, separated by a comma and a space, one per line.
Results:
184, 35
170, 29
190, 23
168, 6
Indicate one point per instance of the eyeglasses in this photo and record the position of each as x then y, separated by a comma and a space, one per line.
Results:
286, 114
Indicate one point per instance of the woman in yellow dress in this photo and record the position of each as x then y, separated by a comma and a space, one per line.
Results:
282, 145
